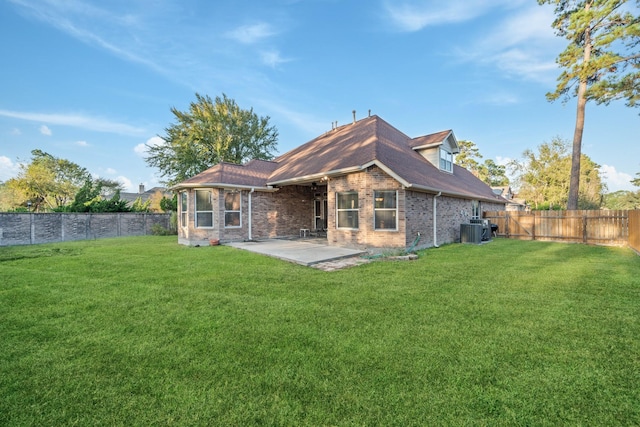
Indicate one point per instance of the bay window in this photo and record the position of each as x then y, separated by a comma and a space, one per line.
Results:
204, 209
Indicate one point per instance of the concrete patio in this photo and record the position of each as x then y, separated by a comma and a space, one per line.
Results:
309, 252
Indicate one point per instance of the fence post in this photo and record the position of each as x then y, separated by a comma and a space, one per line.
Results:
506, 225
584, 229
533, 228
32, 229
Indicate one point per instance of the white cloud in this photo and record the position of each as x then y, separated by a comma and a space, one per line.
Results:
415, 15
503, 160
141, 149
127, 184
75, 120
82, 143
8, 169
522, 45
16, 132
272, 58
110, 171
250, 34
45, 130
616, 180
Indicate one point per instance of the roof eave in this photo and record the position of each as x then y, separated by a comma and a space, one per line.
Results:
316, 176
176, 187
455, 194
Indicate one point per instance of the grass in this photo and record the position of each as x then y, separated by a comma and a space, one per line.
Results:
142, 331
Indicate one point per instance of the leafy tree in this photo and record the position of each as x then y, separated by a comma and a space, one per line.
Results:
93, 197
8, 198
169, 204
469, 155
208, 133
601, 63
636, 181
543, 177
493, 174
489, 171
139, 206
622, 199
48, 182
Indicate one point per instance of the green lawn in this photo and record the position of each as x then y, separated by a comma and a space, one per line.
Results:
142, 331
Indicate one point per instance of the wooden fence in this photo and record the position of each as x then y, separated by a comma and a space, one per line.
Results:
634, 230
581, 226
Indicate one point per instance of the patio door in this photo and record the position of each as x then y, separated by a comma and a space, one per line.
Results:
320, 208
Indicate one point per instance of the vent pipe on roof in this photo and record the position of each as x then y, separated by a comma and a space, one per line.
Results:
369, 112
354, 117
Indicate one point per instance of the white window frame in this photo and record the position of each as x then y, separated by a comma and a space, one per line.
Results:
233, 211
199, 212
376, 196
355, 210
475, 209
446, 160
184, 209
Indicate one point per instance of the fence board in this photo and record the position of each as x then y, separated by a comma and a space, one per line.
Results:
634, 230
609, 227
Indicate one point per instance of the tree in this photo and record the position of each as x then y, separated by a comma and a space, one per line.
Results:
636, 181
208, 133
94, 196
469, 155
489, 171
544, 177
48, 182
493, 174
622, 199
601, 63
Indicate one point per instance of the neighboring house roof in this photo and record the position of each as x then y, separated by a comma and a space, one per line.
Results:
351, 148
144, 195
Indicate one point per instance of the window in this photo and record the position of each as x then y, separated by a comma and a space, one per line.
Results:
184, 209
446, 160
475, 209
347, 207
232, 209
385, 210
204, 209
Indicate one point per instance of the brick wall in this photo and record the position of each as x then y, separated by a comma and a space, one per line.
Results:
451, 213
365, 183
284, 212
34, 228
274, 214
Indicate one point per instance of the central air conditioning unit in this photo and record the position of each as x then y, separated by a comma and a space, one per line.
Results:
486, 227
471, 233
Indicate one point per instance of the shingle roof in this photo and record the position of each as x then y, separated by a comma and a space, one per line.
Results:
252, 174
351, 148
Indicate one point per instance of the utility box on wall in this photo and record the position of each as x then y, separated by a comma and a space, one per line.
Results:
471, 233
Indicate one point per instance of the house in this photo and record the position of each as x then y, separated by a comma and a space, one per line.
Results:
362, 185
513, 203
145, 195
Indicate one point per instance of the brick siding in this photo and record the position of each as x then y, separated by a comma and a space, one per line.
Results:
284, 212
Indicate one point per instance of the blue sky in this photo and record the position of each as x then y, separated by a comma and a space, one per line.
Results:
94, 81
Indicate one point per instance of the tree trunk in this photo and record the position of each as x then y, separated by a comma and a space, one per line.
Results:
576, 154
574, 182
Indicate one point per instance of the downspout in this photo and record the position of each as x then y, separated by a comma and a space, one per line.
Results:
435, 220
250, 192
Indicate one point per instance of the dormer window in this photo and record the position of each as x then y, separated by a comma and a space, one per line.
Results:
446, 160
